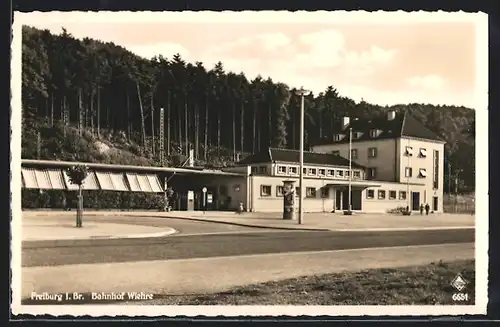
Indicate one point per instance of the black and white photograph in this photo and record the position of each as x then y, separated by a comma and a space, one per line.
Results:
249, 163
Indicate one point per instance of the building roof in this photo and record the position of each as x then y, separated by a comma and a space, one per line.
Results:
403, 124
292, 156
127, 168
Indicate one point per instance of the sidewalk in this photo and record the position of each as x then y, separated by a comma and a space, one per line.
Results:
209, 275
312, 221
335, 221
38, 230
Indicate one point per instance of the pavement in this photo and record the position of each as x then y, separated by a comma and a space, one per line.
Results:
312, 221
50, 229
208, 275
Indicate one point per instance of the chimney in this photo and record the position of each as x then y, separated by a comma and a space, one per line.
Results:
345, 122
391, 115
191, 158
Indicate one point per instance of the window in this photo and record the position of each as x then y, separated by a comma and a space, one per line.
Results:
402, 195
254, 170
423, 153
331, 172
325, 192
392, 195
265, 190
297, 191
357, 135
408, 172
340, 173
374, 133
372, 152
304, 171
354, 154
409, 151
372, 173
381, 195
435, 177
312, 171
280, 190
347, 173
422, 173
338, 137
356, 174
292, 170
370, 194
262, 170
321, 172
336, 152
310, 192
282, 169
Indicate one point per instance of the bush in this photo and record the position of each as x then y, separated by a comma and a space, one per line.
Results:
53, 199
398, 210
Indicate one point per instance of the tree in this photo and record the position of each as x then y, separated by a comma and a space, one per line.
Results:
77, 175
106, 89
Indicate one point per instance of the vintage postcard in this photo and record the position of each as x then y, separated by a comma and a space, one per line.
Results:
249, 163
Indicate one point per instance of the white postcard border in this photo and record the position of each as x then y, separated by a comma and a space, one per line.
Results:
399, 17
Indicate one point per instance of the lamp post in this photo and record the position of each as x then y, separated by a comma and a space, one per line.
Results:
301, 93
349, 206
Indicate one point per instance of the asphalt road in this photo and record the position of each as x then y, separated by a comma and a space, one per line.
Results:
53, 253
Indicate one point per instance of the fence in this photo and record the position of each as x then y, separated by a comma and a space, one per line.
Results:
462, 203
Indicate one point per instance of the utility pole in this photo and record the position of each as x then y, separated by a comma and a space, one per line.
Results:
301, 93
161, 136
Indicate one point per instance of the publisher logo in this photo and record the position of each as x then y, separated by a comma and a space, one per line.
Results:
459, 283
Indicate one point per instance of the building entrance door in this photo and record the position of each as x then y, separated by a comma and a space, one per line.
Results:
356, 200
415, 201
435, 203
338, 200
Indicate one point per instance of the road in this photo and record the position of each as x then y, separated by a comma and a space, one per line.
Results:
69, 252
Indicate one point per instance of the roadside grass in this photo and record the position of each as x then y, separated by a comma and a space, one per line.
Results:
421, 285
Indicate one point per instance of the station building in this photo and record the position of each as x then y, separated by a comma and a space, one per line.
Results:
396, 162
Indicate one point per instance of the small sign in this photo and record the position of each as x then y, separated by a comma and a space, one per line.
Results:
209, 198
204, 190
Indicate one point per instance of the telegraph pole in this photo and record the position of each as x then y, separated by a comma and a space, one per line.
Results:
162, 138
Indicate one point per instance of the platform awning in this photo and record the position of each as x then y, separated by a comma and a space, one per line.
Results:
29, 178
46, 179
56, 179
119, 182
111, 181
90, 183
144, 183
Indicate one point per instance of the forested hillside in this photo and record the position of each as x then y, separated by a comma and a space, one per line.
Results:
93, 101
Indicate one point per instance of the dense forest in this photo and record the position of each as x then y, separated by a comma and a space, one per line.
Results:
80, 93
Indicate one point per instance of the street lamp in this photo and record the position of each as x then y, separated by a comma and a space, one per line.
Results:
301, 93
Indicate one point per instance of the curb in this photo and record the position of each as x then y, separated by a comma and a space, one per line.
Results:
239, 224
168, 232
316, 229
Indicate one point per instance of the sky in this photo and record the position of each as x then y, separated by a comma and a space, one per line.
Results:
379, 61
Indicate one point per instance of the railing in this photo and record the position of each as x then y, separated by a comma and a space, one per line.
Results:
459, 203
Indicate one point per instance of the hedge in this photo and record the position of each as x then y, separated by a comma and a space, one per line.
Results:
53, 199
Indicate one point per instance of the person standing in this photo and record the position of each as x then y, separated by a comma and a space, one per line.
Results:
427, 208
422, 209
